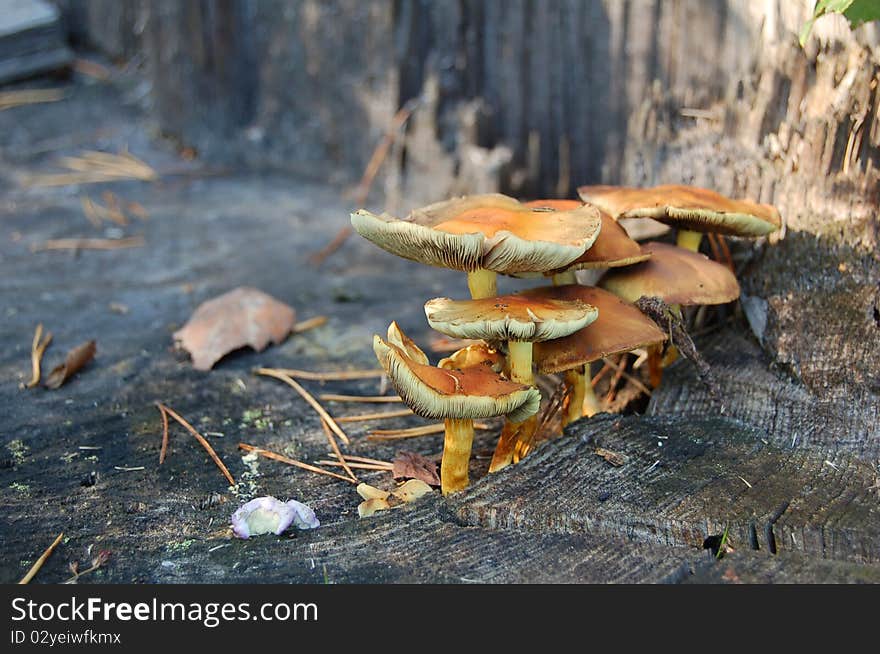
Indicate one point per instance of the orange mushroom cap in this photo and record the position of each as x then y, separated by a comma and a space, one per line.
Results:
437, 393
612, 248
686, 207
538, 316
492, 232
620, 327
675, 275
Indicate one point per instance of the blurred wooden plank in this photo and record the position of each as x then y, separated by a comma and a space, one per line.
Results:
31, 39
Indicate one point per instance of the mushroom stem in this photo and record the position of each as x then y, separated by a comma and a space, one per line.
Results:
689, 240
576, 380
456, 454
655, 365
519, 358
519, 361
483, 283
566, 277
511, 434
591, 405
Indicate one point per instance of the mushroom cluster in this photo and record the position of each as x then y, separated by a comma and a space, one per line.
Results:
558, 328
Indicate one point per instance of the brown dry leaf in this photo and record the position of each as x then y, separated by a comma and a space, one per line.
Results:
412, 490
614, 458
243, 316
76, 359
409, 465
371, 492
369, 507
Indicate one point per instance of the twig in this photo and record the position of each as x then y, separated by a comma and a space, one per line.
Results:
271, 372
90, 211
97, 562
360, 466
366, 459
164, 449
332, 397
10, 99
94, 167
38, 347
311, 323
90, 244
341, 375
35, 568
379, 415
412, 432
128, 468
292, 462
202, 442
598, 377
373, 166
615, 380
660, 312
638, 384
335, 447
92, 69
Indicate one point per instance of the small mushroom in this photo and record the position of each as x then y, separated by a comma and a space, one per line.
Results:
457, 396
620, 327
483, 235
691, 209
677, 276
520, 320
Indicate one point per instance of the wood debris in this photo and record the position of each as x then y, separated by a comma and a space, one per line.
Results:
92, 167
38, 347
35, 568
616, 459
270, 372
201, 439
311, 323
90, 244
378, 415
10, 99
331, 375
378, 399
291, 462
335, 447
73, 363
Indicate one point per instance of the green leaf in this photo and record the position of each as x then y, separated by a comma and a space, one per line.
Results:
857, 12
862, 11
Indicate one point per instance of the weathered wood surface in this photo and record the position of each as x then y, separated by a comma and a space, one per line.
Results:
764, 395
687, 479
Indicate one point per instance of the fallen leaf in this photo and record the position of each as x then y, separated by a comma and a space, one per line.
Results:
75, 360
614, 458
244, 316
371, 492
409, 465
369, 507
412, 490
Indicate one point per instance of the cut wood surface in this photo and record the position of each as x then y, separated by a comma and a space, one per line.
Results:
685, 480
